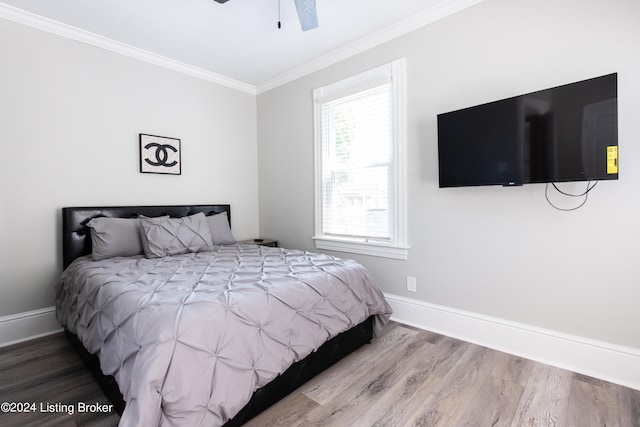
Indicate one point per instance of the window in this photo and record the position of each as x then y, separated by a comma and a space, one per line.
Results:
360, 184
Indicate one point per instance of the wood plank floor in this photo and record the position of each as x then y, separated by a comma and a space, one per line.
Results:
407, 377
48, 371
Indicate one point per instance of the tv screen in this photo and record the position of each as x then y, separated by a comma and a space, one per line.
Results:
566, 133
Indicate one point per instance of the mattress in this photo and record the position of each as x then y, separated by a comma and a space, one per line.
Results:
190, 337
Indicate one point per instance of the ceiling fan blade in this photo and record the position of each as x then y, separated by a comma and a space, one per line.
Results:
307, 14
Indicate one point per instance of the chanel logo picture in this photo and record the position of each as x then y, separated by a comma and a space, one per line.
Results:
159, 154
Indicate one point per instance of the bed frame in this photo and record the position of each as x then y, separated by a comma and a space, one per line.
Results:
76, 242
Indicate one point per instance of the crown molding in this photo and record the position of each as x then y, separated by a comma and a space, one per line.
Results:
41, 23
426, 17
412, 23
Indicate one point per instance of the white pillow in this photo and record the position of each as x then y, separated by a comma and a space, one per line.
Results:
220, 229
112, 237
173, 236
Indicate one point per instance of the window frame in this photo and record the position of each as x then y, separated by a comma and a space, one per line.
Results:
395, 73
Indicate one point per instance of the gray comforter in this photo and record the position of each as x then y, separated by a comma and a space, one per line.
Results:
189, 338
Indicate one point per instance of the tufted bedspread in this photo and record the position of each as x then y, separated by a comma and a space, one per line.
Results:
189, 338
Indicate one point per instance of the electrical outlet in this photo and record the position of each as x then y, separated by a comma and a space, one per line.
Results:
411, 284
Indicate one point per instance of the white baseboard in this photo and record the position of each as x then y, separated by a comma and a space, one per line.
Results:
25, 326
598, 359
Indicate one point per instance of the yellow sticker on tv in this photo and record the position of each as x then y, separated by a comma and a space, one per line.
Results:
612, 159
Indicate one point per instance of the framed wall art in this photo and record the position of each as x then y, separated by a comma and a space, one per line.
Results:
159, 154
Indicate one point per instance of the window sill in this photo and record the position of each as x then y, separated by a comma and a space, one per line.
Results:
357, 247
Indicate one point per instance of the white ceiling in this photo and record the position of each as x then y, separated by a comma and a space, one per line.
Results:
238, 41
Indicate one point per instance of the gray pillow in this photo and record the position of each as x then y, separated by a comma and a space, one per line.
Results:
112, 237
220, 230
173, 236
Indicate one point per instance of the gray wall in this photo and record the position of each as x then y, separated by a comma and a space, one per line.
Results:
500, 252
70, 115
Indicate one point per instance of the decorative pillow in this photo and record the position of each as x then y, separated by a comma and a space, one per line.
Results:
112, 237
173, 236
220, 230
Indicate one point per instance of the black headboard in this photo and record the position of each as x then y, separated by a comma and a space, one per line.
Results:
76, 239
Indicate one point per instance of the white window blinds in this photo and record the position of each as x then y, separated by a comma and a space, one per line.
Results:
359, 125
357, 165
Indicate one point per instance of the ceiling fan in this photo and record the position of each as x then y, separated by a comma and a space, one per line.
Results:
307, 13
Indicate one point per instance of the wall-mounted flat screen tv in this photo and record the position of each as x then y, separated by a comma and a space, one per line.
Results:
566, 133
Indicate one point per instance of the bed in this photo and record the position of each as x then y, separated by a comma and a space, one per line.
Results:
212, 333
